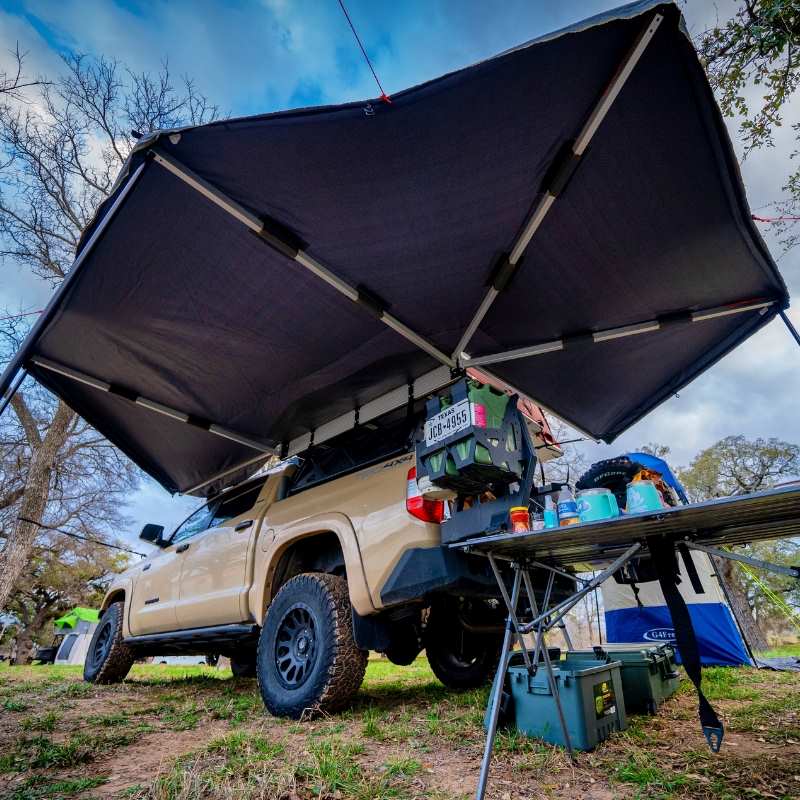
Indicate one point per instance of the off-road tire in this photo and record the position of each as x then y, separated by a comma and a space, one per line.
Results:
613, 473
108, 659
459, 659
244, 666
335, 669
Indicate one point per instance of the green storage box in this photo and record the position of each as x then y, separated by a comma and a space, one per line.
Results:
591, 696
649, 672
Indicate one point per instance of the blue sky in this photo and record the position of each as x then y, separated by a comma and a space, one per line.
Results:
252, 57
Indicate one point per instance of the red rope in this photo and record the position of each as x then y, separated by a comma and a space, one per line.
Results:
384, 96
782, 218
19, 316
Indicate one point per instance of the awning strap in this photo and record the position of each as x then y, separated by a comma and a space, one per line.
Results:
666, 567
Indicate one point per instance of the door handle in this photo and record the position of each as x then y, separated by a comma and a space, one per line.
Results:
182, 547
146, 567
244, 525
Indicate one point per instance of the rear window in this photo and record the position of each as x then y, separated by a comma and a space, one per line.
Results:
358, 448
237, 505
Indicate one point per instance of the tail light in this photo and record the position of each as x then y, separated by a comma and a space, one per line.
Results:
417, 505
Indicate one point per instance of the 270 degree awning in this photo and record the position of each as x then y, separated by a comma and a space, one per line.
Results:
568, 216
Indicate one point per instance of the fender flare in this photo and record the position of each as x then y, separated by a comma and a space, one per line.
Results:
336, 523
126, 588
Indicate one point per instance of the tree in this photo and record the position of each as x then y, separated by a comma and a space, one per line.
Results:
61, 574
13, 81
63, 154
732, 466
759, 49
571, 464
655, 449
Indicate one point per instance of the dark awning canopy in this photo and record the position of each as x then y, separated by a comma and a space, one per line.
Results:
568, 216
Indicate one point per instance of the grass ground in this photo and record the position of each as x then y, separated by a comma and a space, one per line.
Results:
178, 733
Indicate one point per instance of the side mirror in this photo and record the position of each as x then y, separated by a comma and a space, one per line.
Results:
153, 533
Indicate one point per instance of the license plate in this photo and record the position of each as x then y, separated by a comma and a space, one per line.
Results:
453, 419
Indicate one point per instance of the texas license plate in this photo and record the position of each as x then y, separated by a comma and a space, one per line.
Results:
453, 419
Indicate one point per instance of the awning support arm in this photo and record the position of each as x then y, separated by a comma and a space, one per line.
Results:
294, 251
790, 327
557, 178
12, 390
151, 405
768, 566
622, 332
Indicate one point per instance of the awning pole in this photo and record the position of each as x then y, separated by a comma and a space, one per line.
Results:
372, 304
790, 327
151, 405
9, 395
565, 168
609, 334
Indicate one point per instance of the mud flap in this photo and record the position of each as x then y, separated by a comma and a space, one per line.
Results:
666, 565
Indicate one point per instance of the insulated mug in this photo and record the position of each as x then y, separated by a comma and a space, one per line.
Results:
596, 504
642, 496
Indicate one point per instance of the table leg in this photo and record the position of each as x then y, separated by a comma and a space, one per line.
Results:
544, 626
497, 686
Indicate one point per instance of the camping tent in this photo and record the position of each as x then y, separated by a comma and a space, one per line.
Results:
567, 216
78, 627
718, 638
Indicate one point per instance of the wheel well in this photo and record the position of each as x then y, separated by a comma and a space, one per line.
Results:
320, 552
113, 598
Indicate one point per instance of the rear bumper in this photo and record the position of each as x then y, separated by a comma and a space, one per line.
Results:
423, 571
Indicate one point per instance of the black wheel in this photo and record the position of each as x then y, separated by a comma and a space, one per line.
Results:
243, 665
308, 661
614, 474
108, 659
460, 659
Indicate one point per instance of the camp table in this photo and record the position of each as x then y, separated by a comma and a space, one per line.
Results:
612, 544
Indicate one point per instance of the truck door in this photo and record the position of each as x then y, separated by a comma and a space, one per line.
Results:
213, 578
157, 586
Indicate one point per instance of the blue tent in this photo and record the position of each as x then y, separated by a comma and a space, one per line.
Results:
718, 637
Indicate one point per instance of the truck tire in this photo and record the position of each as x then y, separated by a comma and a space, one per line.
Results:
613, 473
308, 662
458, 658
244, 665
108, 659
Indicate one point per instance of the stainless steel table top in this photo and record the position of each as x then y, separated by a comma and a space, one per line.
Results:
773, 514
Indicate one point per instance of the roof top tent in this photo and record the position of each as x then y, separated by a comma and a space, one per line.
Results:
567, 216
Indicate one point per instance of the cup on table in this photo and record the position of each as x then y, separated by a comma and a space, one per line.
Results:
642, 496
597, 504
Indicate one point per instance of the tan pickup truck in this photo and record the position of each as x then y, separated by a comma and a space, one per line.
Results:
297, 574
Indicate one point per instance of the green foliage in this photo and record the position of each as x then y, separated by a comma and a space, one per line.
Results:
44, 722
40, 787
736, 465
758, 49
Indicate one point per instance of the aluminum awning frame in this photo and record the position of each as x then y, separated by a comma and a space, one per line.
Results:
271, 232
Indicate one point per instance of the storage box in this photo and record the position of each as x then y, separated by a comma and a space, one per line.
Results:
482, 451
649, 672
591, 697
485, 445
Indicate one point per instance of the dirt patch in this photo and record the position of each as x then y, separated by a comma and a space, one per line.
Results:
135, 764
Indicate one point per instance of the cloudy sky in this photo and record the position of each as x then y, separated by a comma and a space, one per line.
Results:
252, 57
